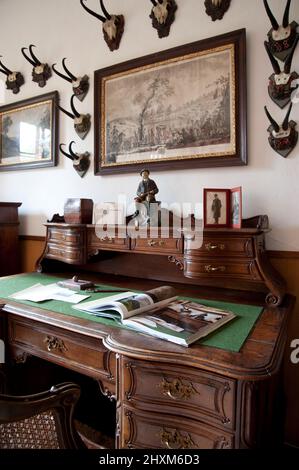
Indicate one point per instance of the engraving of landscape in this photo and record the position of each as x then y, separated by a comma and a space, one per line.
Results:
177, 110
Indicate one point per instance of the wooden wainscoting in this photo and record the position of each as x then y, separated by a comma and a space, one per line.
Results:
287, 263
31, 248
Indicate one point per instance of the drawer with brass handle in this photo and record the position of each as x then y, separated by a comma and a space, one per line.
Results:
106, 242
66, 348
157, 245
222, 268
179, 391
221, 247
158, 430
65, 253
73, 236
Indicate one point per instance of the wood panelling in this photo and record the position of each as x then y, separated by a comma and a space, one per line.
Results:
31, 249
287, 263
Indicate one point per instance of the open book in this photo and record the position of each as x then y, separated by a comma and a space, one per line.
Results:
159, 313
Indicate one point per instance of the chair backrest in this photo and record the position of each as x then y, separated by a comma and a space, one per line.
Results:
40, 421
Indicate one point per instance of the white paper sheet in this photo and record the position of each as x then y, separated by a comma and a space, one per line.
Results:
40, 293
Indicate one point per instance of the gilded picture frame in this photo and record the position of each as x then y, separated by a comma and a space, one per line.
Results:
29, 133
180, 108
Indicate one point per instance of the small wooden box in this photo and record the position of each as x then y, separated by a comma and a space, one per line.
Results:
78, 211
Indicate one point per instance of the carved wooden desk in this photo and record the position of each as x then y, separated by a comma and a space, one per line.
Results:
167, 396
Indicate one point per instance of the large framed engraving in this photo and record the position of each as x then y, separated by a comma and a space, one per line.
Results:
29, 133
181, 108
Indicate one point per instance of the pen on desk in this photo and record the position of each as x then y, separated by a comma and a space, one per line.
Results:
99, 291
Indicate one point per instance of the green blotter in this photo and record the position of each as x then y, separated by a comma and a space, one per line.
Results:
230, 337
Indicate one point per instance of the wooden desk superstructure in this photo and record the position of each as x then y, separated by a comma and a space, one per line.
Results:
167, 396
234, 259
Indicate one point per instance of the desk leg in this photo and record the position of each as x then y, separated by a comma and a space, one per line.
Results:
118, 402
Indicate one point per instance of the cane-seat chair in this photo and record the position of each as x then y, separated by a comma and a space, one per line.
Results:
40, 421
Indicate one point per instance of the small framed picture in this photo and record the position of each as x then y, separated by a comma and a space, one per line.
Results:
236, 207
217, 208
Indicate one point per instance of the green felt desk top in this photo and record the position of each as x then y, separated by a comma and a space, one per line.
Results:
230, 337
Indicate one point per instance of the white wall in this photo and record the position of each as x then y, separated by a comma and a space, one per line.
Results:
60, 28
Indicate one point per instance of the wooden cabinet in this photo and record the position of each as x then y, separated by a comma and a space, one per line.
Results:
66, 244
233, 259
9, 238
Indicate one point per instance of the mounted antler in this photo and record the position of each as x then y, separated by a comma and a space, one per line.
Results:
163, 15
281, 38
281, 82
113, 25
80, 84
41, 72
81, 121
282, 139
216, 9
81, 161
14, 80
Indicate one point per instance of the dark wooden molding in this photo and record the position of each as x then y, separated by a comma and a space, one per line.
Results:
33, 238
283, 254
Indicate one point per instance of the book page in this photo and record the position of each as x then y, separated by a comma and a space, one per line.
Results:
125, 307
127, 304
181, 322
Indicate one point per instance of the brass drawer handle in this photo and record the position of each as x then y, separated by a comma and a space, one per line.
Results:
175, 440
211, 247
215, 269
55, 344
177, 390
106, 239
155, 243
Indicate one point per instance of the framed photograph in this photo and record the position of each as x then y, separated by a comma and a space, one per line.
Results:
29, 133
216, 210
236, 207
181, 108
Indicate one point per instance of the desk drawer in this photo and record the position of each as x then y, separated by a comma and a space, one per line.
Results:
68, 236
107, 242
221, 247
158, 431
180, 391
65, 253
157, 245
80, 353
221, 268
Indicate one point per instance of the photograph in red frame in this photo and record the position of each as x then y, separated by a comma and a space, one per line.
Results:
236, 207
216, 209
